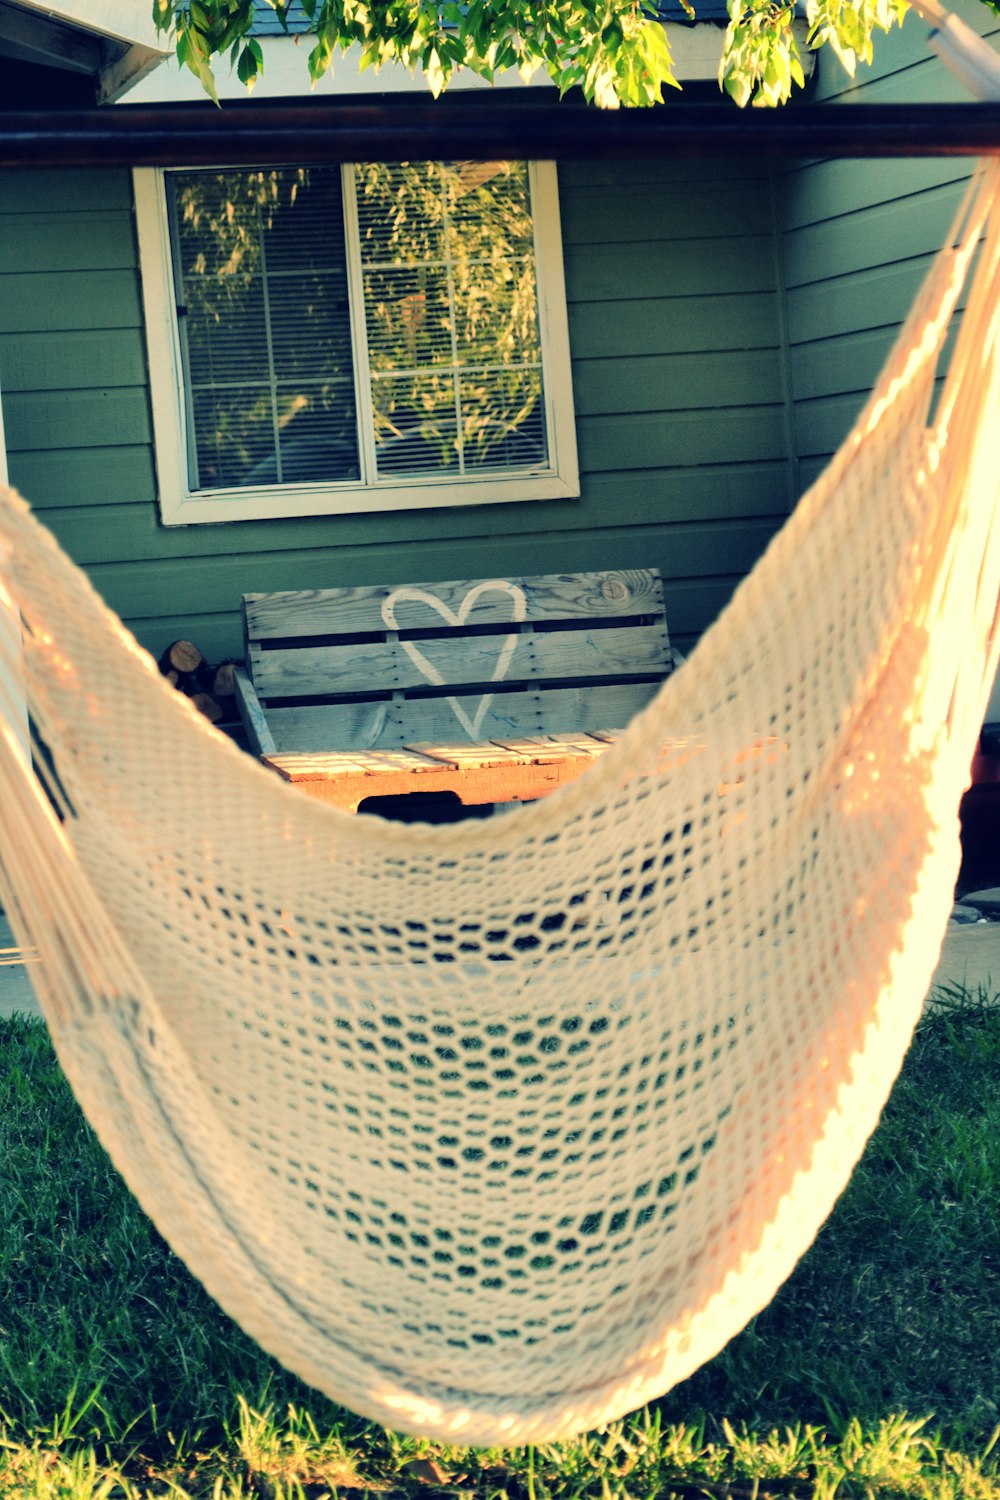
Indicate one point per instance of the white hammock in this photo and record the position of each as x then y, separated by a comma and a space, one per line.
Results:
496, 1131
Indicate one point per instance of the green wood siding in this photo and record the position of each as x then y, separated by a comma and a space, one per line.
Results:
858, 236
679, 383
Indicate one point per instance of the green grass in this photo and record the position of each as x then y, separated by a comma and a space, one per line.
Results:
874, 1372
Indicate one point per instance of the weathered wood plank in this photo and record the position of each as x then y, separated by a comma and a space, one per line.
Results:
476, 756
251, 714
354, 611
508, 716
315, 671
328, 780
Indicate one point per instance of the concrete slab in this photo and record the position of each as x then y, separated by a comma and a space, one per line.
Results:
16, 993
970, 959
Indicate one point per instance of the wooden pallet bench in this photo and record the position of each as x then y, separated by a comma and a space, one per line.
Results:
490, 690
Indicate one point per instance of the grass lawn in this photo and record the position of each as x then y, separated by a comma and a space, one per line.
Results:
875, 1371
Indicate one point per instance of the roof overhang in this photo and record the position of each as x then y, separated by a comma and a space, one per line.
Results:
113, 41
537, 125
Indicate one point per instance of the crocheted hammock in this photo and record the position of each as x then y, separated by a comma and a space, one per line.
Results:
495, 1131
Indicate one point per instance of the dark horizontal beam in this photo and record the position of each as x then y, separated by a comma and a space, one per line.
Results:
483, 129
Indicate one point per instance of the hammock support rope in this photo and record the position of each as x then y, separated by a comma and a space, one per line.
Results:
496, 1131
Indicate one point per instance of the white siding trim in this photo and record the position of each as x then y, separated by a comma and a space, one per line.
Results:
125, 20
178, 507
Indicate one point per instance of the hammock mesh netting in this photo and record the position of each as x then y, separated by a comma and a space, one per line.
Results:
495, 1131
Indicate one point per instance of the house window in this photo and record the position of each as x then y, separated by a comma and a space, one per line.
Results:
368, 337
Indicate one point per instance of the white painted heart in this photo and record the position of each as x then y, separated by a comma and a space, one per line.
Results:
519, 610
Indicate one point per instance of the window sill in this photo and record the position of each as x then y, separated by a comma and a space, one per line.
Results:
309, 500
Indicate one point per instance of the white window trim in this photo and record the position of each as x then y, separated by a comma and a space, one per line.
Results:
180, 507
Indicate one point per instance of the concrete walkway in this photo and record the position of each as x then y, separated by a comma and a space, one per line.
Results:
970, 959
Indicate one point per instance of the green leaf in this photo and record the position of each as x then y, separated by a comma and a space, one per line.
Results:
248, 68
434, 73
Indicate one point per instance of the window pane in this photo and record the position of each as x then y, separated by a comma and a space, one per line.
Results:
234, 432
260, 272
416, 424
400, 213
447, 254
409, 318
503, 419
309, 317
496, 317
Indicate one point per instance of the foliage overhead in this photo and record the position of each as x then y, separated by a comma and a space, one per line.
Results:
615, 51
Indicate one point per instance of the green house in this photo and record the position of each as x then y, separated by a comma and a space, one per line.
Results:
223, 380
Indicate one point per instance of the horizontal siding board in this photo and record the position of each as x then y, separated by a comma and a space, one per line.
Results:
592, 178
48, 190
93, 481
823, 425
676, 382
681, 439
72, 299
879, 236
218, 635
114, 530
67, 242
673, 325
77, 419
207, 585
830, 189
686, 268
848, 304
72, 360
674, 213
838, 365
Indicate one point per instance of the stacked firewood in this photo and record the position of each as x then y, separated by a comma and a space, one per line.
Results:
211, 689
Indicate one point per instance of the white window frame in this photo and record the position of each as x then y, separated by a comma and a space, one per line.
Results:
179, 506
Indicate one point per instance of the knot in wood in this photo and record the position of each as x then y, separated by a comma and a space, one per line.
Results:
614, 588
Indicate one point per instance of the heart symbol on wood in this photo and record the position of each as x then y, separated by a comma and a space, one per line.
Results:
519, 610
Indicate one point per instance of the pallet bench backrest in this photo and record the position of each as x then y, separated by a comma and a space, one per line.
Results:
392, 665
